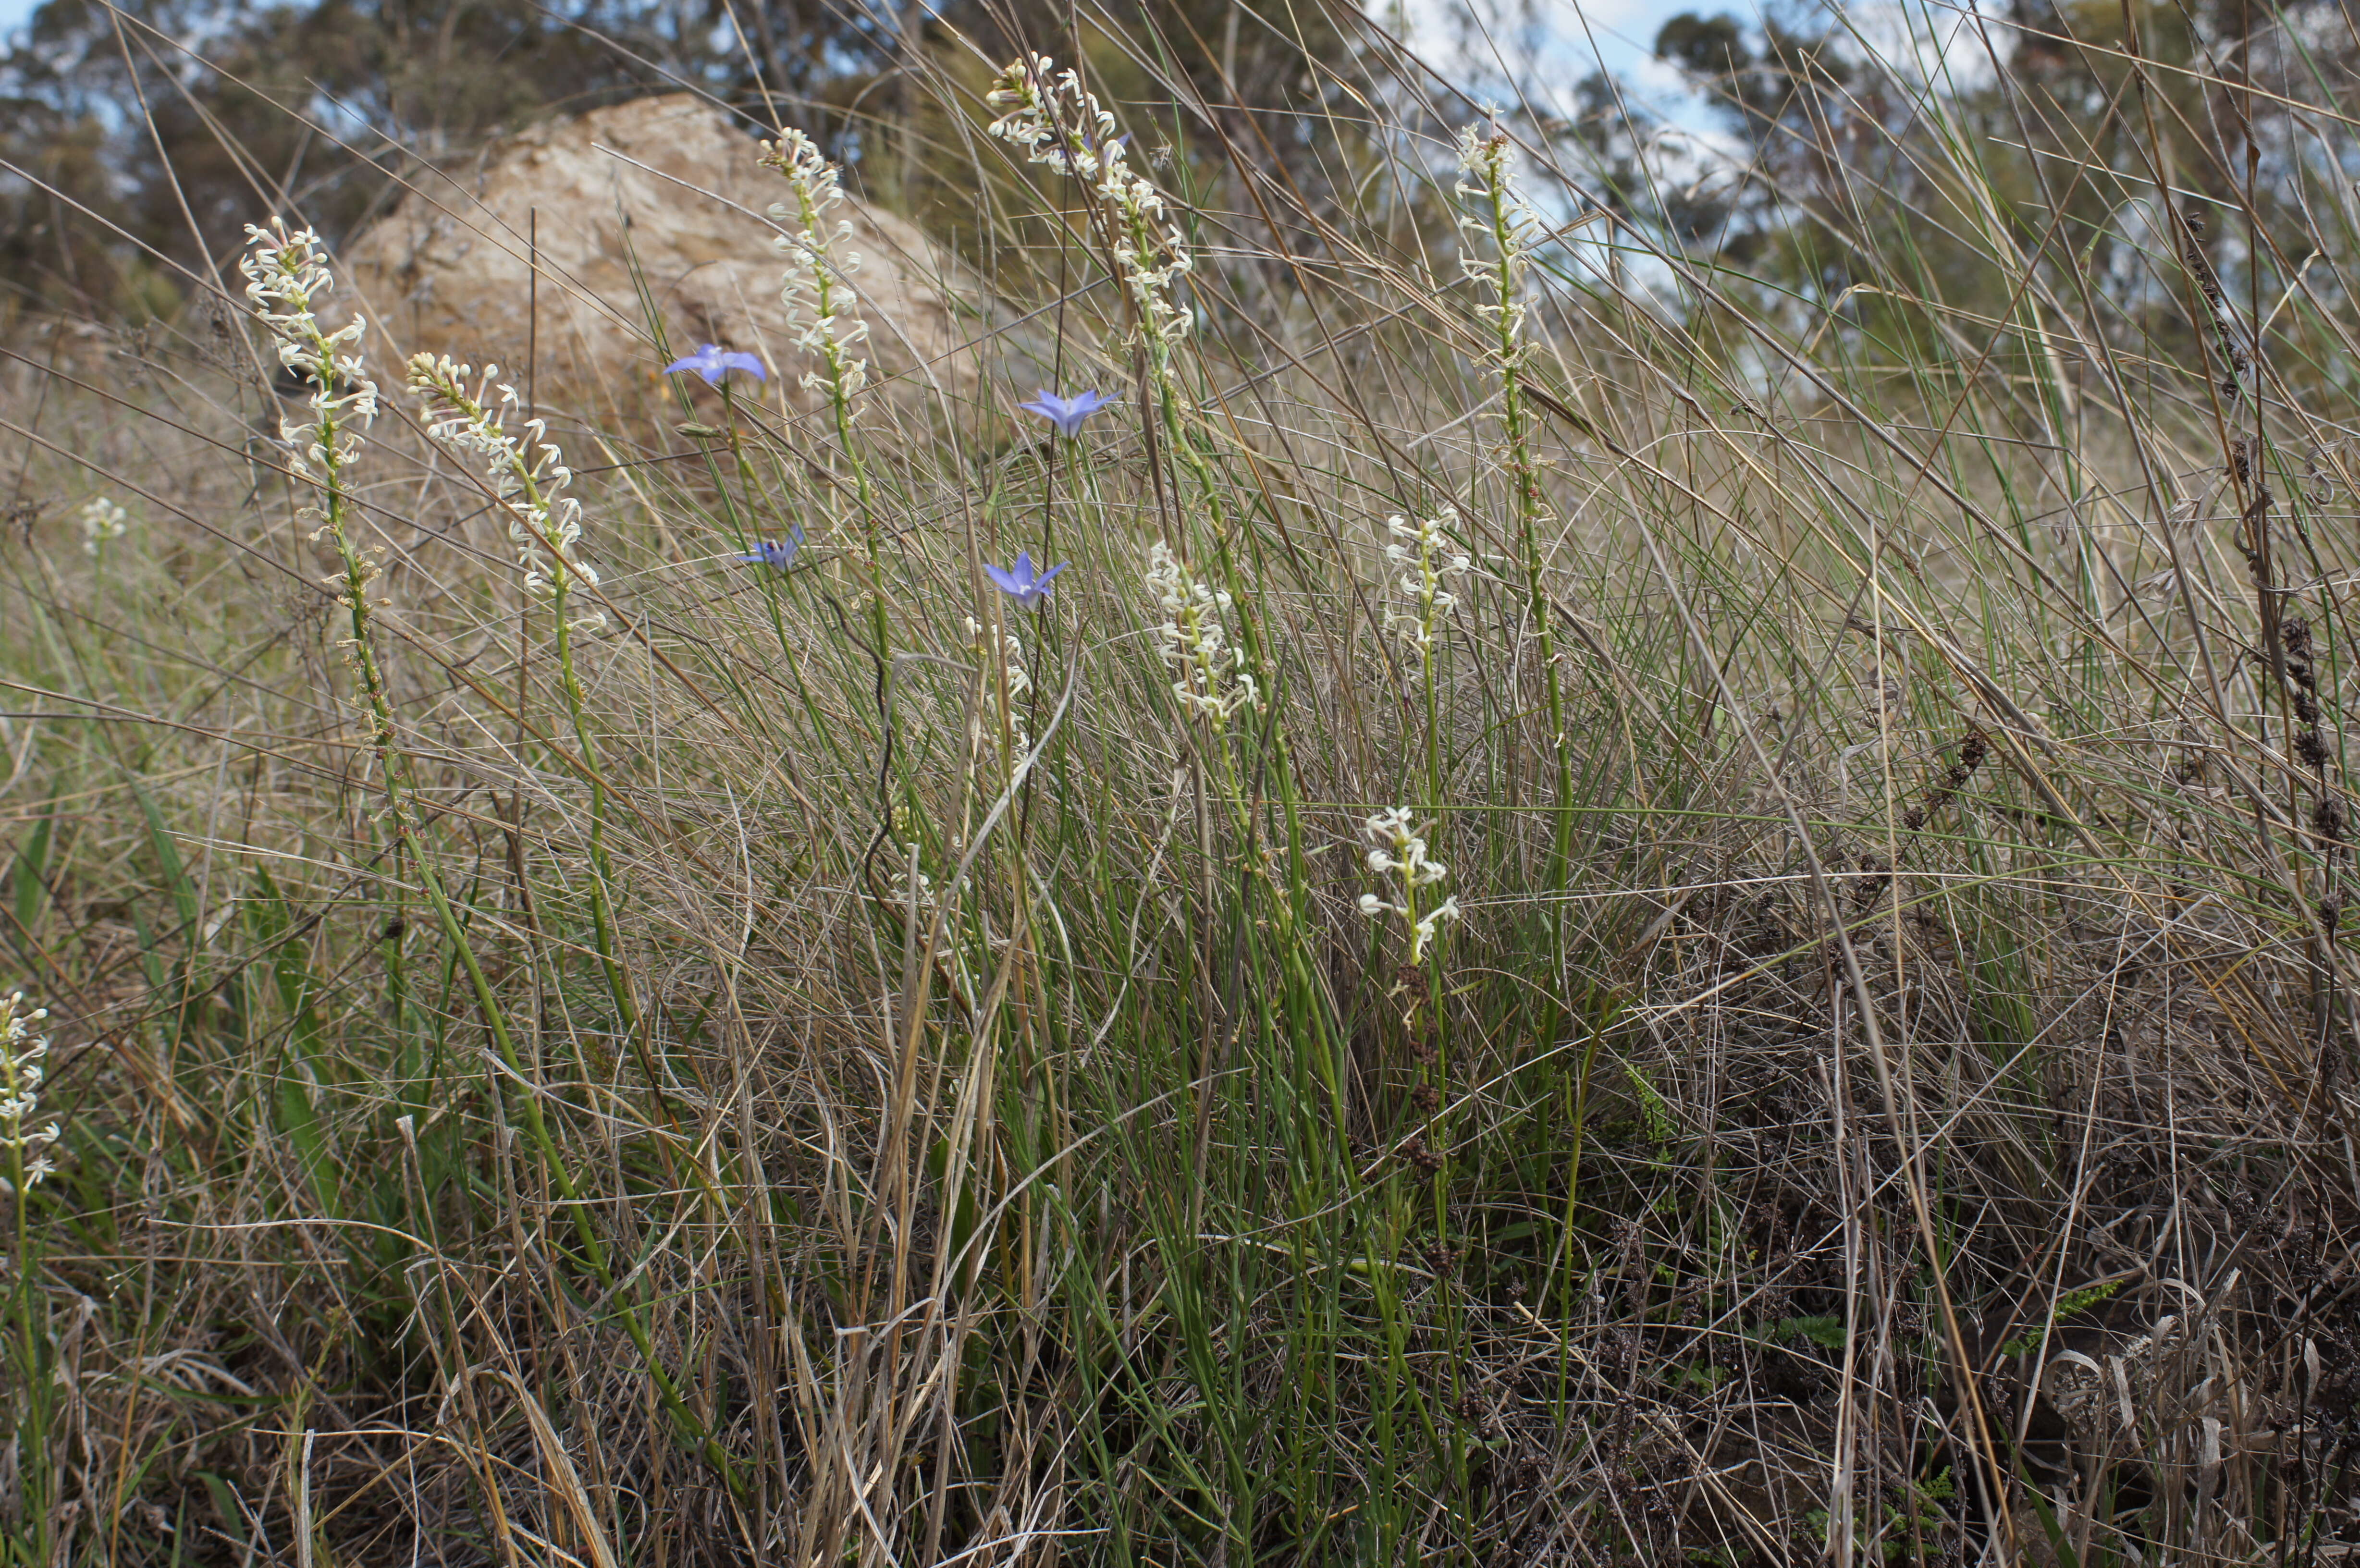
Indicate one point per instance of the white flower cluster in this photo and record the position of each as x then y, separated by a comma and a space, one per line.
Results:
525, 475
20, 1080
1399, 852
921, 890
1508, 230
1428, 558
286, 277
102, 520
1213, 682
1054, 120
814, 292
1011, 659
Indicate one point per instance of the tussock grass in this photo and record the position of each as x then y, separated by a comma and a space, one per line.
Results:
830, 1064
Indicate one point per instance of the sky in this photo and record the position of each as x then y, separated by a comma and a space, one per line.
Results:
1577, 38
1939, 43
1620, 35
1623, 28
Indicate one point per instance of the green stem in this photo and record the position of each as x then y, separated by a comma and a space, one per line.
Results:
400, 792
1530, 509
602, 871
35, 1475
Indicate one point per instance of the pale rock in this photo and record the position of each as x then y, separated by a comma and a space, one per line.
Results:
671, 183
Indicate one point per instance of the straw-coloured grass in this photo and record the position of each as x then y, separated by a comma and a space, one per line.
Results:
689, 1060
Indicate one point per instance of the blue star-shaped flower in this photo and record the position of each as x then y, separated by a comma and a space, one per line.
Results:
780, 553
713, 362
1020, 582
1065, 413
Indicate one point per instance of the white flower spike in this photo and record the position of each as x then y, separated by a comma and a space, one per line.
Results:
818, 299
1055, 121
1214, 683
101, 522
287, 279
1506, 226
525, 473
21, 1051
1398, 852
1428, 560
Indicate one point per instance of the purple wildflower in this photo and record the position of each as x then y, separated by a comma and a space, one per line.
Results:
713, 362
1065, 413
1020, 582
780, 553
